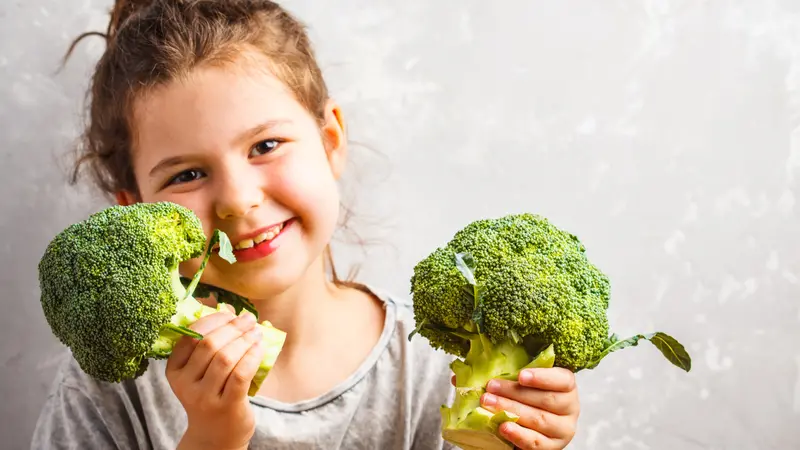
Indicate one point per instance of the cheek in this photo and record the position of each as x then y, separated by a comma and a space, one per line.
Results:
308, 188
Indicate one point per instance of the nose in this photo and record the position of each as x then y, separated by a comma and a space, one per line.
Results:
237, 193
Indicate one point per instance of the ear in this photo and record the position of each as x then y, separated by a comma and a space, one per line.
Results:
125, 198
334, 133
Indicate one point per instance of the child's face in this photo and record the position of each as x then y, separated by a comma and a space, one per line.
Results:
234, 145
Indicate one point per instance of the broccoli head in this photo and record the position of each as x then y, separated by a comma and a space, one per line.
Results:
509, 293
111, 290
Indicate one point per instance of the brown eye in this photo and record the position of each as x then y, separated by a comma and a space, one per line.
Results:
264, 147
186, 176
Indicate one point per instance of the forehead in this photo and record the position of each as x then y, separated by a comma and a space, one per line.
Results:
212, 104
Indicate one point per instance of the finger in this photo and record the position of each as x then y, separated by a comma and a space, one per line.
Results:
239, 379
211, 322
205, 350
549, 379
544, 422
527, 439
561, 403
225, 360
180, 354
183, 349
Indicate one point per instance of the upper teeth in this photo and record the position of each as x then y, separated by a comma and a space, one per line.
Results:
265, 236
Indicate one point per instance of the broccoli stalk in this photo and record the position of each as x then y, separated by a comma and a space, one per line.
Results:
465, 422
188, 310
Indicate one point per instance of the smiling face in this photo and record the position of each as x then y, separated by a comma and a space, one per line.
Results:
234, 145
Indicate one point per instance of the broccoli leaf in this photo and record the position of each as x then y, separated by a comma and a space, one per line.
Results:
463, 334
225, 246
466, 265
238, 302
672, 350
183, 330
201, 290
225, 250
420, 325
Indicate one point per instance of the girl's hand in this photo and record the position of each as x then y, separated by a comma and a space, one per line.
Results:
211, 377
546, 401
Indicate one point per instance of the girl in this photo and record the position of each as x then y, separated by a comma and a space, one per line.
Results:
220, 106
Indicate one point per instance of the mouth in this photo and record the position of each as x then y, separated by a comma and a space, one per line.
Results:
262, 236
260, 243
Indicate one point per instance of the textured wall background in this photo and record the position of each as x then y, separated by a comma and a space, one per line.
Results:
666, 134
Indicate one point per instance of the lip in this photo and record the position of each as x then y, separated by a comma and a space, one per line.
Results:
263, 249
253, 235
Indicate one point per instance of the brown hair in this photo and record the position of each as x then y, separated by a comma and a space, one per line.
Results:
151, 42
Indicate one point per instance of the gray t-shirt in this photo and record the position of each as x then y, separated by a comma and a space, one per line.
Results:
390, 403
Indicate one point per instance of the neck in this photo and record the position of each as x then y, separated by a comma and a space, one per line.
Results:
326, 326
300, 310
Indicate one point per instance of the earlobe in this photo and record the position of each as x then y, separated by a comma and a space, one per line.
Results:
335, 135
125, 198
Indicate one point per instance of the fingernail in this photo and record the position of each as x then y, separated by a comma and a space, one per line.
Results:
508, 429
526, 377
489, 400
493, 386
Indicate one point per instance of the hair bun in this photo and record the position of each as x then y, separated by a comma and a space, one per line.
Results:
120, 13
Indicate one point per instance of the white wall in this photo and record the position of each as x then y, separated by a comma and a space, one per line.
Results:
664, 133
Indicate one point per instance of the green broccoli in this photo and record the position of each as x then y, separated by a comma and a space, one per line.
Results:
112, 293
510, 293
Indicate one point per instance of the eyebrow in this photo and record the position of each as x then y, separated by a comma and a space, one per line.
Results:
167, 163
243, 136
260, 128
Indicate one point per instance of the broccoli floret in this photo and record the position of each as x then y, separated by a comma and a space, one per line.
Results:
111, 290
509, 293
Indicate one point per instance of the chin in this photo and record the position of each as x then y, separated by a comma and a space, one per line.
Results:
264, 287
263, 280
